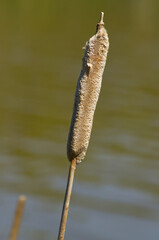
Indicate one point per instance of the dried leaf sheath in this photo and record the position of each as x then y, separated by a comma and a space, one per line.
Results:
87, 93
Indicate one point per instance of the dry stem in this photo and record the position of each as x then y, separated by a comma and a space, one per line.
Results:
17, 218
67, 200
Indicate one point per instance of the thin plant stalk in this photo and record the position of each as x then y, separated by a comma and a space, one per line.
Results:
17, 218
67, 200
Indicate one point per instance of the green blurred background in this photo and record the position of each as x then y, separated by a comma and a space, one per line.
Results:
116, 188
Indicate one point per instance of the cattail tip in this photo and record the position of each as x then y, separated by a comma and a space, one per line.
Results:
101, 18
101, 22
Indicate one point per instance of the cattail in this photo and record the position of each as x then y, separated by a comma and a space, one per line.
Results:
87, 93
86, 97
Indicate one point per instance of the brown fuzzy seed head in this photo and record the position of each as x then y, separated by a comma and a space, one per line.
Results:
87, 93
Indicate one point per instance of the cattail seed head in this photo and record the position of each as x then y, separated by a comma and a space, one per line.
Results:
87, 93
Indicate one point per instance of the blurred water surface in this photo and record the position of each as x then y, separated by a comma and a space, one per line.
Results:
116, 188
